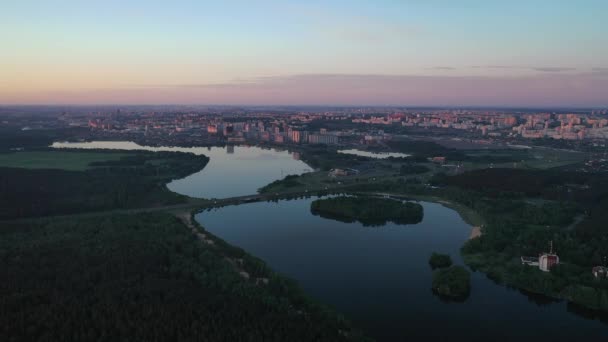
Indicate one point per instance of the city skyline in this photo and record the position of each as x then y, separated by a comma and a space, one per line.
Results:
412, 53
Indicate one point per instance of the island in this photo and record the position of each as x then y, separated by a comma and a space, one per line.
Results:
438, 260
370, 211
453, 282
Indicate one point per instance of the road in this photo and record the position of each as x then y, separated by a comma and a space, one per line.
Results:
197, 204
194, 204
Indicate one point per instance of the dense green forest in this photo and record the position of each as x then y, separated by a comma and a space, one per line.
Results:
320, 157
145, 277
420, 150
370, 211
13, 137
412, 169
438, 260
453, 282
290, 181
136, 180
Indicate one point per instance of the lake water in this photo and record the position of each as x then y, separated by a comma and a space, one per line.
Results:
380, 279
231, 171
377, 155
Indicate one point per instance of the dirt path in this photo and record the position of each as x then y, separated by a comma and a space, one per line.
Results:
475, 233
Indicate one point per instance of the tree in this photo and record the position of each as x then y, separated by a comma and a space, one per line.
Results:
452, 282
440, 260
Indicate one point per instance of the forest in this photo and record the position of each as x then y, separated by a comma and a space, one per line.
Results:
289, 181
145, 277
15, 137
420, 150
452, 282
370, 211
136, 180
438, 260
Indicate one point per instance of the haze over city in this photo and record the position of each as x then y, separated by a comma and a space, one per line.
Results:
415, 53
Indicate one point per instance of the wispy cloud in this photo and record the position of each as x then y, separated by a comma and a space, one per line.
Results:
599, 71
442, 68
552, 69
451, 89
533, 68
494, 67
544, 89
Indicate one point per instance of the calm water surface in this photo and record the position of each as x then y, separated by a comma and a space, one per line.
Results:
231, 171
377, 155
380, 279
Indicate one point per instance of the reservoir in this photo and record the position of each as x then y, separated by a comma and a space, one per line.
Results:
231, 171
380, 279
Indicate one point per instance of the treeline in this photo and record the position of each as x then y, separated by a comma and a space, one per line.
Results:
145, 277
413, 169
586, 191
549, 184
370, 211
133, 181
290, 181
12, 137
452, 283
320, 157
420, 150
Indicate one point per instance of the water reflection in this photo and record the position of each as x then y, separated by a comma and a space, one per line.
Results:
231, 171
448, 300
537, 298
377, 155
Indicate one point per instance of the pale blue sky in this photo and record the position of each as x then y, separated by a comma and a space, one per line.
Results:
55, 49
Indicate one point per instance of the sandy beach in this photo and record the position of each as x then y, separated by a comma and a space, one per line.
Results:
475, 232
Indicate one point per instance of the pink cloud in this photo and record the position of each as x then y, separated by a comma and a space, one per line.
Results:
551, 89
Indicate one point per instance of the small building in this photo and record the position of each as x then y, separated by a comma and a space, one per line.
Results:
544, 261
438, 160
530, 261
547, 260
343, 172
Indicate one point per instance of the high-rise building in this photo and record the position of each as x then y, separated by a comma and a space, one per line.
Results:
322, 139
295, 136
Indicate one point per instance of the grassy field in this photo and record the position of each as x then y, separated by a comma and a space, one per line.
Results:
545, 158
71, 161
535, 158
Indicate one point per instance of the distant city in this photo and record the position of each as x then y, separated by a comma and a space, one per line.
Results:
364, 125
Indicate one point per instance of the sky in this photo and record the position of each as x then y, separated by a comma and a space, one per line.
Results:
272, 52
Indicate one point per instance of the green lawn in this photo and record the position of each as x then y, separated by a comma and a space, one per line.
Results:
544, 158
535, 158
71, 161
